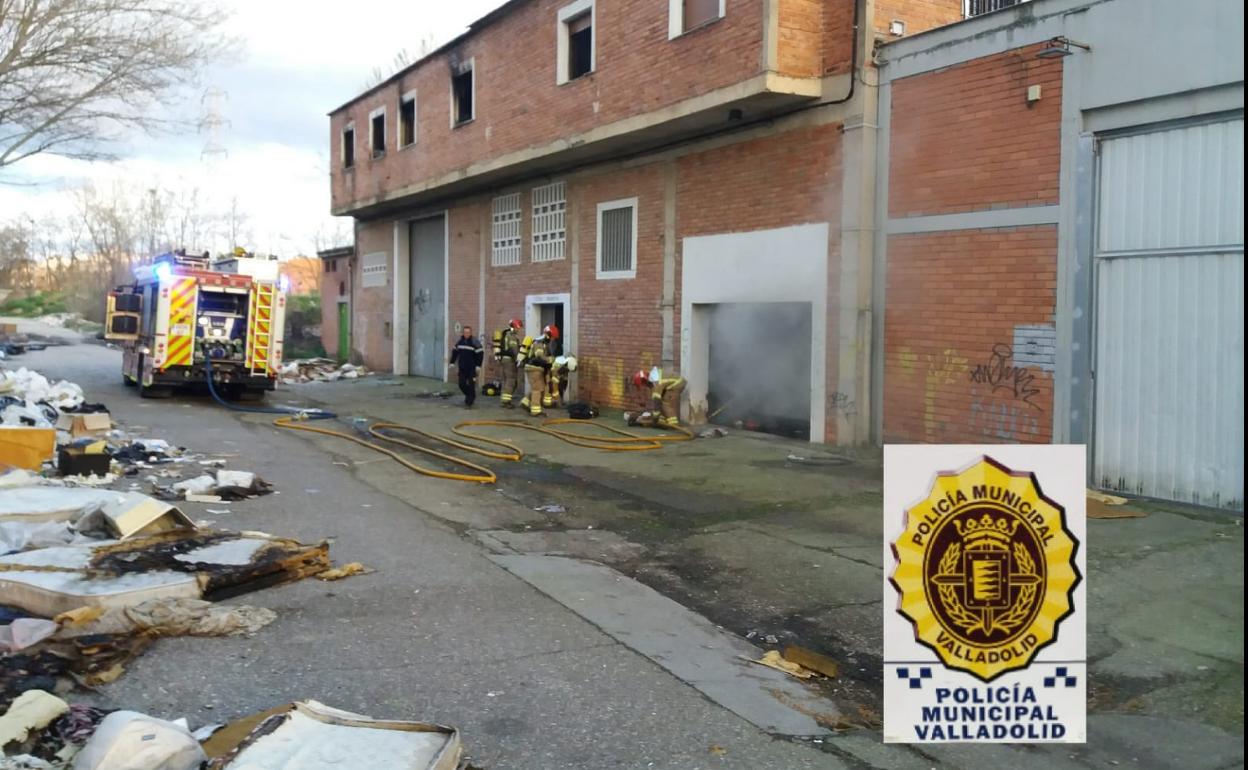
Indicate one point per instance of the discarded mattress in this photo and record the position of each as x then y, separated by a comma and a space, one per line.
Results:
51, 503
312, 736
175, 564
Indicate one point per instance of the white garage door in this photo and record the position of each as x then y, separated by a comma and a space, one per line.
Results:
1169, 349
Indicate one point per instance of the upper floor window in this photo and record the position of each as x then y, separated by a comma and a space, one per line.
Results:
348, 146
576, 40
377, 131
980, 7
463, 90
407, 119
684, 15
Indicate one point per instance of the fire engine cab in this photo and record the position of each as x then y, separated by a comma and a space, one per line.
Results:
186, 315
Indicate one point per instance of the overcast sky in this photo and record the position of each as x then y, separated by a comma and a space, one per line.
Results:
299, 60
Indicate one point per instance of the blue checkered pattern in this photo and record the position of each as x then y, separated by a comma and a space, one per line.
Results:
1061, 674
916, 677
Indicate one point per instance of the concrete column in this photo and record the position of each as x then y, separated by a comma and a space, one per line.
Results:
572, 230
668, 302
851, 402
402, 263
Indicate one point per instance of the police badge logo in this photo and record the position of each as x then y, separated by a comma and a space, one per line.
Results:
985, 569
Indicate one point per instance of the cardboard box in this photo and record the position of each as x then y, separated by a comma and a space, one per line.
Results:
79, 425
8, 330
80, 461
25, 447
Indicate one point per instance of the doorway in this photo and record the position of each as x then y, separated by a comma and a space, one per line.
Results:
759, 367
344, 331
542, 310
428, 342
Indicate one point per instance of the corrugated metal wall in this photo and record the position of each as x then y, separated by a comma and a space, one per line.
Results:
1169, 349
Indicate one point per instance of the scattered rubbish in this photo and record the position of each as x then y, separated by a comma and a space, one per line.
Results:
31, 711
25, 632
312, 736
190, 498
812, 660
50, 503
345, 571
166, 617
717, 750
819, 460
773, 659
319, 370
226, 485
713, 433
33, 387
1100, 510
178, 563
771, 639
131, 514
26, 447
1107, 499
200, 485
128, 740
551, 508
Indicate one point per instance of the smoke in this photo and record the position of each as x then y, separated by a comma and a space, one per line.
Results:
760, 366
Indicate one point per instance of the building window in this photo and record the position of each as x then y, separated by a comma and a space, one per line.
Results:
617, 239
505, 230
576, 40
980, 7
377, 131
331, 265
407, 119
462, 91
348, 146
686, 15
549, 229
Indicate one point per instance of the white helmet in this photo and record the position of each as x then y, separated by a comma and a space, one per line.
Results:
656, 374
561, 361
571, 360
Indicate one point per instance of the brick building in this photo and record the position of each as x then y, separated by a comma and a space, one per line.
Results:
899, 199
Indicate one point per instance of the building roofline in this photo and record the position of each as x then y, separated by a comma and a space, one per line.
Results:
337, 251
473, 28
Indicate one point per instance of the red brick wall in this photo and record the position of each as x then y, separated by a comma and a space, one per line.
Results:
519, 105
373, 308
838, 25
464, 227
919, 15
965, 138
799, 51
952, 297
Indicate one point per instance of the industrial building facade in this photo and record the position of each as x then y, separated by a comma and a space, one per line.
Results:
849, 220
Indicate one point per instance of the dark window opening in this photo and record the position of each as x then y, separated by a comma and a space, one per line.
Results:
461, 90
348, 148
580, 46
699, 12
379, 135
407, 122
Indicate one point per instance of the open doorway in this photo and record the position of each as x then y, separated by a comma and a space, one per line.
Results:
542, 310
759, 367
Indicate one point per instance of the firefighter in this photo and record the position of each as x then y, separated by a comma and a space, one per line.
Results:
559, 374
554, 350
467, 357
664, 392
506, 356
535, 358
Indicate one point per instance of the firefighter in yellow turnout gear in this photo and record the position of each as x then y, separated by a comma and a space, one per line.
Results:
507, 357
665, 392
536, 360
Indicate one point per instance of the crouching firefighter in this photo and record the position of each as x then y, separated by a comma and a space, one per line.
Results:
664, 392
535, 359
506, 357
560, 372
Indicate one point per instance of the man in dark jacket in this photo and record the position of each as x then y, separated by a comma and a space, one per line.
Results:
467, 356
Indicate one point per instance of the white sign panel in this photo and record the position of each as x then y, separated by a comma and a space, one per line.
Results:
985, 627
373, 269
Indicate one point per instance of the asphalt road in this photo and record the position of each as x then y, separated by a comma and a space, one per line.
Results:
438, 633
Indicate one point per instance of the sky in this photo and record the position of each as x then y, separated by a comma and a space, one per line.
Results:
298, 60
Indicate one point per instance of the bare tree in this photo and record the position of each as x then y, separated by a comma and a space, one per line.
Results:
401, 60
75, 73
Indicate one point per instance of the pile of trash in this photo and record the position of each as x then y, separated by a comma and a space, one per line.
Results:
43, 732
319, 370
29, 398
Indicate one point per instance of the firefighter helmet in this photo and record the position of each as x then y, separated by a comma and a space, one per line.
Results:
571, 363
641, 378
551, 331
515, 324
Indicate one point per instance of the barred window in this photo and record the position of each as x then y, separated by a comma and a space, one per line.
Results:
505, 232
617, 239
549, 233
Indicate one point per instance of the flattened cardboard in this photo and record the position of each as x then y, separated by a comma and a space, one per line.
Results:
26, 447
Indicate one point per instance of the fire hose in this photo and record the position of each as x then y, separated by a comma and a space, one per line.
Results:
293, 418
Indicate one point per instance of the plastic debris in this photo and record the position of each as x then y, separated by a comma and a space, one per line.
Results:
345, 571
319, 370
128, 740
30, 711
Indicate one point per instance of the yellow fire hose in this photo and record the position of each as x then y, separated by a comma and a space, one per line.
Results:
621, 441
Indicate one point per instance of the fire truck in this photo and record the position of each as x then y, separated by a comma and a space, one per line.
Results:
187, 315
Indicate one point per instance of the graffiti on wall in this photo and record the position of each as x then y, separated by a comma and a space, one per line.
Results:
1001, 375
939, 370
842, 403
1002, 420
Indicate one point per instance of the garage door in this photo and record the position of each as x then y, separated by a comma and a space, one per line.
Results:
1169, 345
